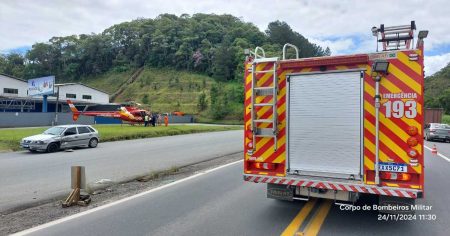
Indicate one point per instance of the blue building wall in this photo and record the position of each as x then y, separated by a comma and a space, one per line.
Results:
106, 120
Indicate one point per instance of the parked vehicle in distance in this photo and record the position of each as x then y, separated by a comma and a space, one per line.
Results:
435, 131
62, 137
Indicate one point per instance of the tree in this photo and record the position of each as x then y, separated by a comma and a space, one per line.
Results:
223, 61
437, 92
444, 100
281, 33
205, 43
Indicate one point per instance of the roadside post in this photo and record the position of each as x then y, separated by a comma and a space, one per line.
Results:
78, 182
57, 104
44, 103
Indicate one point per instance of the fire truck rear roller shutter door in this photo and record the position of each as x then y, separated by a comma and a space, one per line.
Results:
325, 124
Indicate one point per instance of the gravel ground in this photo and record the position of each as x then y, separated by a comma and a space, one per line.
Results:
37, 215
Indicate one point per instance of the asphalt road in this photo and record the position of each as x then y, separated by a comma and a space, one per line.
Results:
442, 147
220, 203
437, 190
27, 178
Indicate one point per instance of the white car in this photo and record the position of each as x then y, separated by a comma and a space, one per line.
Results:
62, 137
435, 131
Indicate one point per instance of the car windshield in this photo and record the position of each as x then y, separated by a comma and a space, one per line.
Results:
54, 131
445, 126
441, 126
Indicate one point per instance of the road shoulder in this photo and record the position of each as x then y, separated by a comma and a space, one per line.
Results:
27, 218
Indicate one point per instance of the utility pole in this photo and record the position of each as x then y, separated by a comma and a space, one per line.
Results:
57, 105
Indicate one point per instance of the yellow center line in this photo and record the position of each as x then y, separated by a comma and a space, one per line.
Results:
298, 220
316, 222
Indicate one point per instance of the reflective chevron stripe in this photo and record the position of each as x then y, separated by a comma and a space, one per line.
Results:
404, 82
405, 77
360, 188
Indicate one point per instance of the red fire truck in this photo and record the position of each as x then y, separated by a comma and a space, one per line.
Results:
337, 127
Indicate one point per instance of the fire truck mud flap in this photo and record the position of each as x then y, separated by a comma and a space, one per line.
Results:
396, 205
280, 192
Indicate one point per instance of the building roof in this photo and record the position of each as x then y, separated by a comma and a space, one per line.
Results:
12, 77
64, 84
67, 84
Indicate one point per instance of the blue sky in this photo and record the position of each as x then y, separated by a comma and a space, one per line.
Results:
343, 25
21, 50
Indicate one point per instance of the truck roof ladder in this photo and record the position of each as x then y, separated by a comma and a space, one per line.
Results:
395, 37
272, 63
272, 90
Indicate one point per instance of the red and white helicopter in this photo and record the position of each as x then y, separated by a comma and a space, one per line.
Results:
126, 112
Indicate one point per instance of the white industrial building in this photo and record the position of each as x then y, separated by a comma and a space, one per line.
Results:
13, 87
81, 93
14, 95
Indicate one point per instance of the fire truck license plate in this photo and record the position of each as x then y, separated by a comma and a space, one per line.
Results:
392, 167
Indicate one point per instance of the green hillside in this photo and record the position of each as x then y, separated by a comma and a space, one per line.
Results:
191, 63
168, 90
109, 81
437, 90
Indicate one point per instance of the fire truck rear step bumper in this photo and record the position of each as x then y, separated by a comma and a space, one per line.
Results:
334, 184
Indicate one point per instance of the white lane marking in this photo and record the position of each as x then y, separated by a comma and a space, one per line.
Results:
439, 154
59, 221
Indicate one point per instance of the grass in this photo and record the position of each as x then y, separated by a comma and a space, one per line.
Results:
446, 119
115, 132
10, 138
108, 82
220, 122
167, 90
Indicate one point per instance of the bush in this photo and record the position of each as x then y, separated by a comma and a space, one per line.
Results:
145, 99
202, 103
122, 68
446, 119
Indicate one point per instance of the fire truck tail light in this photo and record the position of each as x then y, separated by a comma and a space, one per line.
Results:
412, 153
250, 144
265, 166
412, 130
412, 141
248, 132
395, 176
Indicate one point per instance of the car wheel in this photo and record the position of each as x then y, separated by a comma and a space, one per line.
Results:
52, 147
93, 143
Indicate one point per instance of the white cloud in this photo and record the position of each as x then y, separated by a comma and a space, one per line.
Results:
327, 22
338, 46
434, 63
